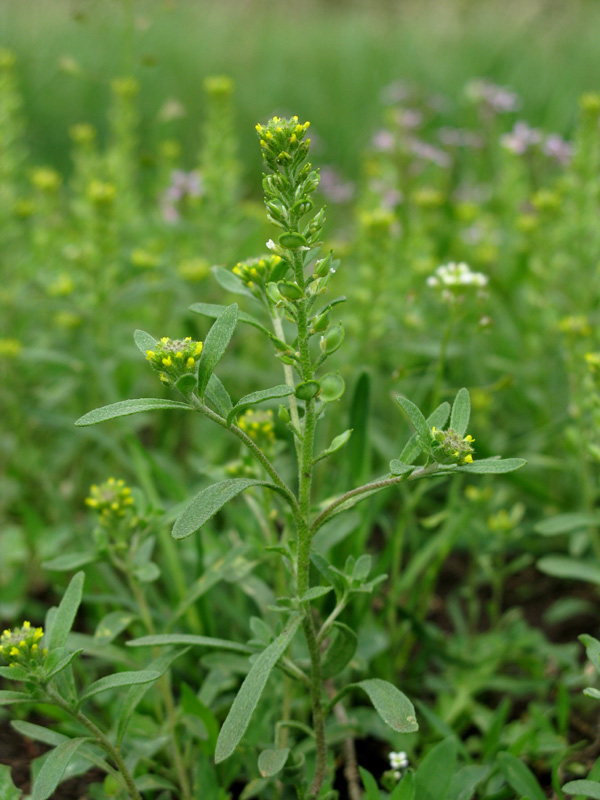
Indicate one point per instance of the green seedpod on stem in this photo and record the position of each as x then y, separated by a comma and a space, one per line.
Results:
333, 339
289, 290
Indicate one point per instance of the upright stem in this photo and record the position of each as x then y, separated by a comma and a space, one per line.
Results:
289, 379
102, 740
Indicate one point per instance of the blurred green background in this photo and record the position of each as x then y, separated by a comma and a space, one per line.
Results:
326, 61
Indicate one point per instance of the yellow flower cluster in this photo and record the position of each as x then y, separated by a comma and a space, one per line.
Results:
257, 272
450, 447
259, 426
282, 140
19, 647
111, 500
174, 357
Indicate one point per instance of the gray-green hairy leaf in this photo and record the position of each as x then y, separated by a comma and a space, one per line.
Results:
247, 698
398, 467
258, 397
144, 341
8, 791
54, 768
162, 639
65, 613
341, 649
461, 412
492, 466
437, 419
210, 500
586, 788
218, 395
271, 762
394, 707
124, 408
118, 680
215, 345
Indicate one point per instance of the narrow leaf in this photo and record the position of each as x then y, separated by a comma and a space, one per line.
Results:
120, 679
247, 698
54, 767
461, 412
125, 408
592, 649
7, 697
218, 395
405, 790
112, 625
210, 500
437, 419
61, 664
258, 397
565, 523
493, 466
398, 467
144, 341
571, 568
417, 419
162, 639
69, 561
230, 282
432, 779
215, 345
586, 788
314, 593
394, 707
519, 777
271, 762
370, 784
8, 791
65, 613
340, 651
337, 443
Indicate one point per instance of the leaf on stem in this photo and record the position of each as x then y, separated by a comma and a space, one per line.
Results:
54, 768
437, 419
125, 408
492, 466
65, 613
461, 412
247, 698
130, 678
341, 649
271, 762
218, 395
253, 398
144, 341
210, 500
418, 422
215, 345
394, 707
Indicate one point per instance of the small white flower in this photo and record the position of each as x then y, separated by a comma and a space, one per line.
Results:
398, 761
271, 244
452, 274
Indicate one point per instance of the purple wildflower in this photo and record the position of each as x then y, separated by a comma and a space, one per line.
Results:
495, 98
557, 148
521, 138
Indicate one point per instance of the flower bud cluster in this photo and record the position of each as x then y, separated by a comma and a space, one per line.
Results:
20, 646
173, 358
259, 427
282, 142
449, 447
112, 501
256, 273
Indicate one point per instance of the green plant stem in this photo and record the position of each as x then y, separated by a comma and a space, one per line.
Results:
164, 688
289, 378
383, 483
326, 626
102, 740
256, 451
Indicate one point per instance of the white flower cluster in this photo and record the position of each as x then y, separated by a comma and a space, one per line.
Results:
398, 761
454, 275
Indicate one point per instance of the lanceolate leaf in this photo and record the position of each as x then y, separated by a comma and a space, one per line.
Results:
144, 341
461, 412
218, 395
417, 419
8, 791
570, 568
340, 651
120, 679
206, 504
271, 762
492, 466
437, 419
585, 788
258, 397
162, 639
215, 345
125, 408
394, 707
54, 768
519, 777
65, 613
247, 698
433, 778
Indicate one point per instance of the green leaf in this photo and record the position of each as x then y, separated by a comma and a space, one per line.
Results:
119, 679
144, 341
394, 707
592, 649
52, 667
565, 523
8, 791
340, 651
437, 419
519, 777
398, 467
465, 781
69, 561
271, 762
65, 613
230, 282
247, 698
215, 345
571, 568
461, 412
210, 500
370, 784
15, 673
405, 790
432, 780
218, 395
417, 419
39, 733
587, 788
191, 704
125, 408
136, 693
492, 466
253, 398
112, 625
314, 593
332, 387
7, 697
54, 767
161, 639
337, 443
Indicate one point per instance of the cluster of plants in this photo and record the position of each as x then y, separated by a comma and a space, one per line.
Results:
361, 598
